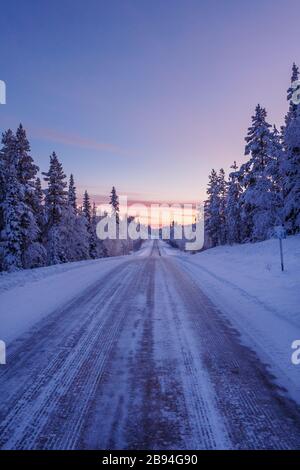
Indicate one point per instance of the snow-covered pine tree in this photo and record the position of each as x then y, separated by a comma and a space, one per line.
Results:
114, 202
90, 217
211, 210
94, 245
73, 228
292, 106
274, 166
214, 209
36, 254
55, 194
291, 163
38, 205
27, 171
72, 194
292, 176
222, 193
86, 207
11, 204
275, 176
232, 210
55, 205
258, 195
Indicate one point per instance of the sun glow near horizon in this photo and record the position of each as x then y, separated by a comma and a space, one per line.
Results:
156, 214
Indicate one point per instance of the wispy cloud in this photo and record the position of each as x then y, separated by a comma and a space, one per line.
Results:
57, 136
74, 140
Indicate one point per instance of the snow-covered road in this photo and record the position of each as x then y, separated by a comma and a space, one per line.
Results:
139, 358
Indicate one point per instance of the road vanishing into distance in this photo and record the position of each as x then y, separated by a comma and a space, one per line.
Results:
141, 359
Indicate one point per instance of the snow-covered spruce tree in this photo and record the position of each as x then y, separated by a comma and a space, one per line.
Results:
95, 244
33, 253
38, 206
232, 210
11, 205
55, 194
257, 200
72, 194
291, 163
55, 205
80, 240
222, 193
86, 207
274, 166
90, 216
292, 112
214, 209
114, 202
292, 176
73, 228
36, 254
211, 210
27, 170
275, 174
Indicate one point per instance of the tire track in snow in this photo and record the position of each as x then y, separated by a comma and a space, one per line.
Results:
156, 416
255, 413
47, 410
138, 405
159, 401
206, 427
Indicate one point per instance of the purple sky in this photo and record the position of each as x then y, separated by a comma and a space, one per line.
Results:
145, 95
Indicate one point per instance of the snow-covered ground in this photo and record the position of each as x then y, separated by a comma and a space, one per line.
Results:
130, 352
246, 283
28, 296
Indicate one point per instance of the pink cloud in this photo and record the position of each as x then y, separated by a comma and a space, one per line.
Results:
54, 135
74, 140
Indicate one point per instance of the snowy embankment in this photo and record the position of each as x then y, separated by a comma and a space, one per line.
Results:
28, 296
246, 283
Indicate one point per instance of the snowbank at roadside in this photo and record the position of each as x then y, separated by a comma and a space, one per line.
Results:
28, 296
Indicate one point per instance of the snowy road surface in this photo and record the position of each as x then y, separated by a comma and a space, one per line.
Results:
140, 358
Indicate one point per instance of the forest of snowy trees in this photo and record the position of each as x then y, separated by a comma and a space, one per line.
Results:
265, 191
40, 227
